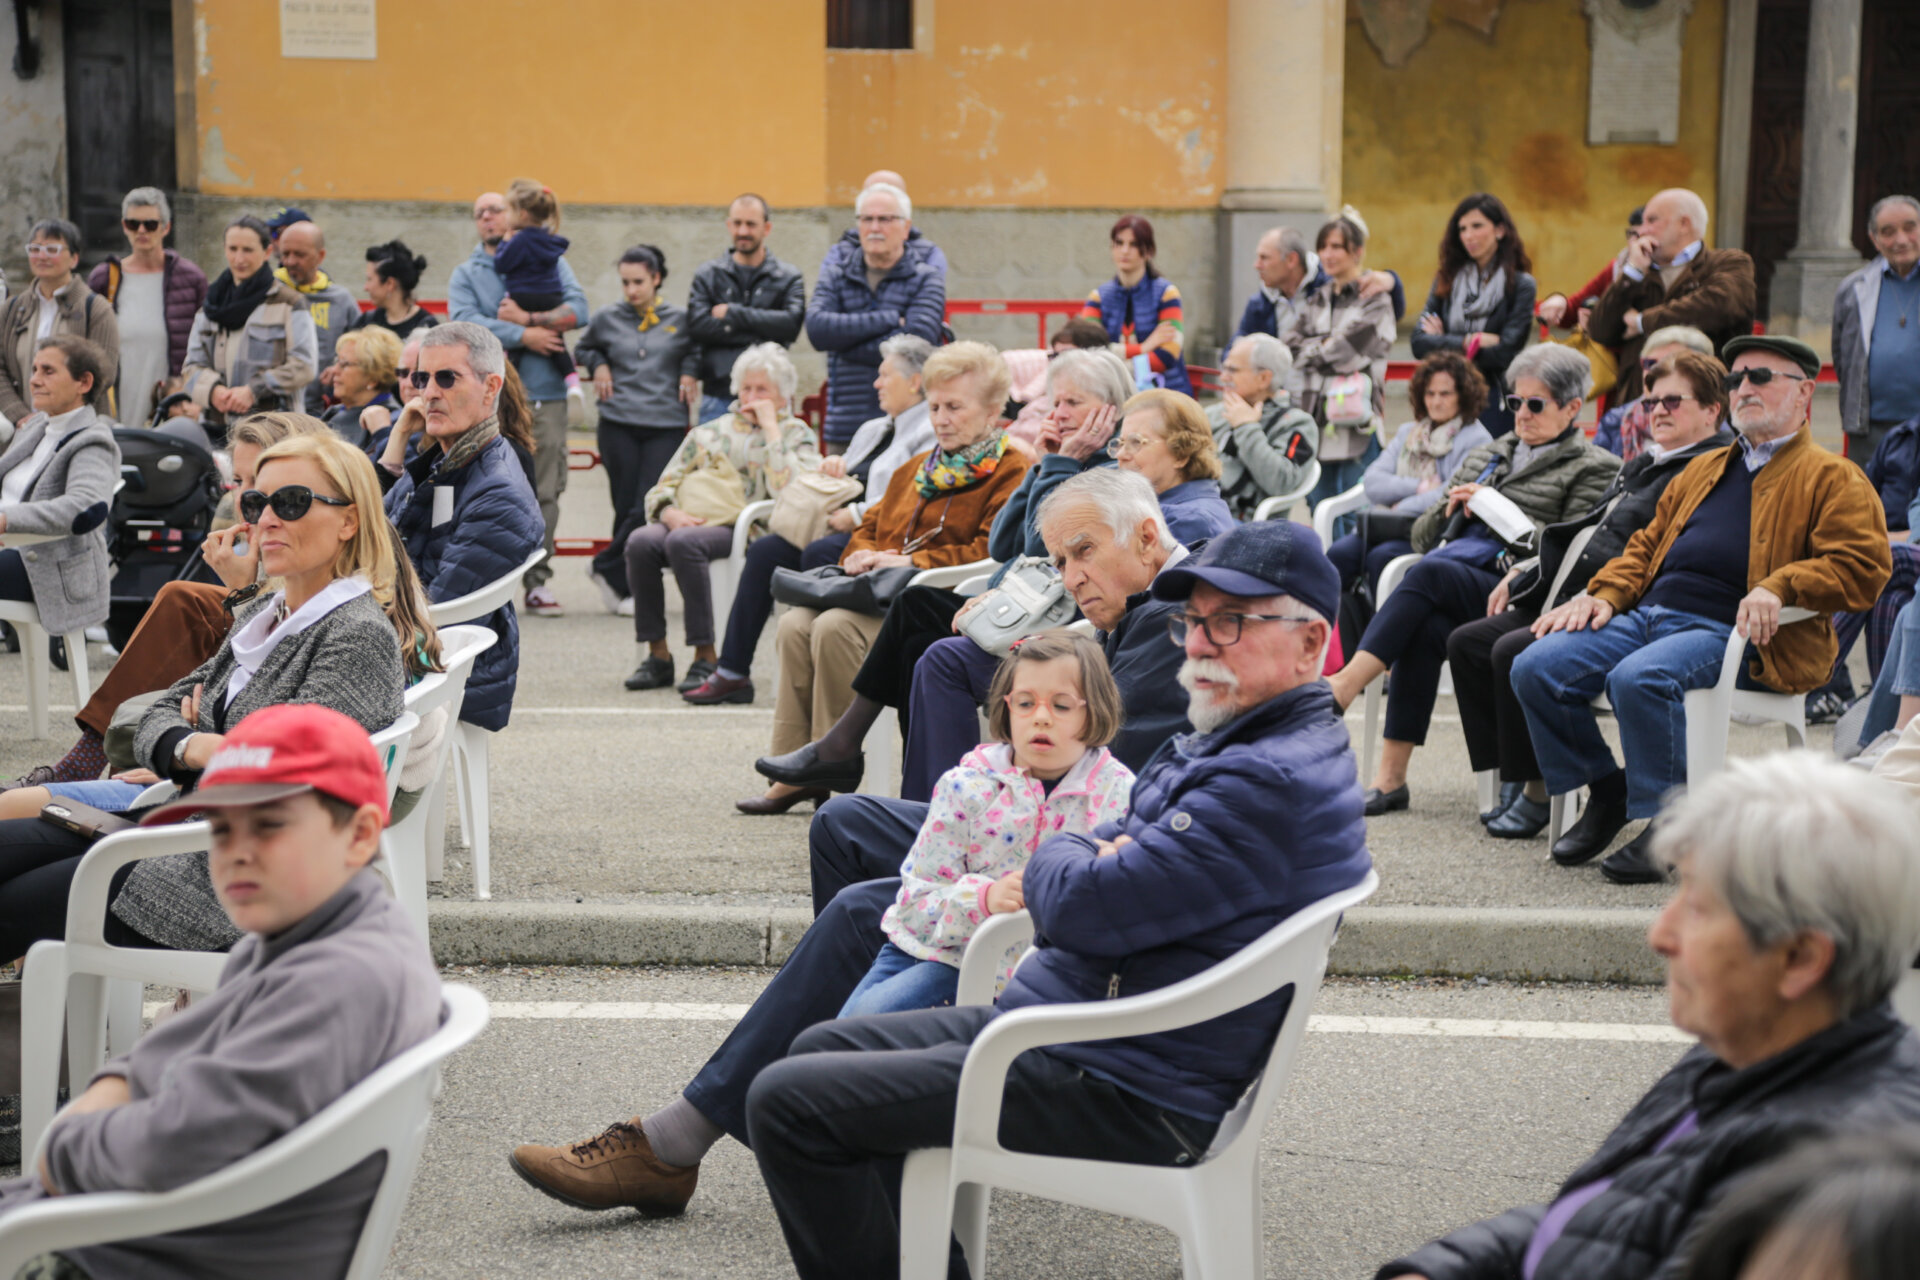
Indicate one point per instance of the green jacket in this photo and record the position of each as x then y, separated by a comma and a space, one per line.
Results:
1563, 480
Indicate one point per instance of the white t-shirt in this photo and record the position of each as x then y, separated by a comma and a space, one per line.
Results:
142, 305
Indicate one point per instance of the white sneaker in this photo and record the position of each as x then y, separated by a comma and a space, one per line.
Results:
625, 608
608, 596
576, 407
543, 603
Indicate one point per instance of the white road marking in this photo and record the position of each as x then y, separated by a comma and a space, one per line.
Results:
1321, 1024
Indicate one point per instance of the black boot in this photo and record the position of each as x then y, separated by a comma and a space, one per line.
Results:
1633, 862
1589, 837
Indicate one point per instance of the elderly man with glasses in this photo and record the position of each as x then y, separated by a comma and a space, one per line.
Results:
1742, 533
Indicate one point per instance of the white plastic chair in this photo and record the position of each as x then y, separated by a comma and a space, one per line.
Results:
1328, 513
1709, 712
416, 844
1213, 1206
723, 576
1282, 504
389, 1112
34, 642
391, 742
469, 761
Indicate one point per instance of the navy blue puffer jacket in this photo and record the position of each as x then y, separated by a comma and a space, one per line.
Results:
496, 525
848, 319
1233, 832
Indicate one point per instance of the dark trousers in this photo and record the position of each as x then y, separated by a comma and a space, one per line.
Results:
753, 598
1351, 557
853, 839
1481, 654
1410, 632
37, 864
919, 616
13, 577
831, 1125
651, 551
949, 683
634, 458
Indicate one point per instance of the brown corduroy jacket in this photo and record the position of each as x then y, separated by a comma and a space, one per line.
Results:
1819, 542
1713, 293
955, 525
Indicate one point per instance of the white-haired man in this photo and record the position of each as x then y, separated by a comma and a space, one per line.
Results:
894, 284
1288, 270
1671, 278
1265, 442
1876, 331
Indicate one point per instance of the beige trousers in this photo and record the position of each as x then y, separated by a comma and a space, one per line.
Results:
819, 655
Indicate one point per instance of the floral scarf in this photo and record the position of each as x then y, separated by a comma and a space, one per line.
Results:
961, 469
1425, 446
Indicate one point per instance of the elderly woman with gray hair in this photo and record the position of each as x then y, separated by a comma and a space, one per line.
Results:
878, 449
1797, 913
1265, 442
1551, 472
723, 466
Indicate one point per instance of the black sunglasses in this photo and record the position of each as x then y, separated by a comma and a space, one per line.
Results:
445, 377
140, 224
1534, 404
289, 502
1670, 403
1760, 377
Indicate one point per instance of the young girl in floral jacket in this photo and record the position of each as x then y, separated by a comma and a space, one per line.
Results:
1052, 708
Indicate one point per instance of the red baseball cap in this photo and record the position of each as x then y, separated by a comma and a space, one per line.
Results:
282, 751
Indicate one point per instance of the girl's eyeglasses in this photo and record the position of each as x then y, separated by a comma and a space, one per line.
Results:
289, 502
1025, 704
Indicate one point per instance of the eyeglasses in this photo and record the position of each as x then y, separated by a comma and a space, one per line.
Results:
1025, 704
46, 250
1222, 629
1670, 403
445, 377
1532, 404
486, 211
1121, 446
878, 219
140, 224
290, 502
1759, 377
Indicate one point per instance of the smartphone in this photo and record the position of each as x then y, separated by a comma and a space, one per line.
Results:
84, 819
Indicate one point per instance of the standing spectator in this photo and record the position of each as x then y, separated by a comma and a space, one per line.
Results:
859, 302
849, 245
1286, 268
1265, 441
1558, 311
252, 348
1626, 429
57, 302
1670, 277
393, 273
742, 297
1141, 308
477, 293
155, 294
1876, 330
301, 248
642, 359
1335, 332
1481, 304
528, 262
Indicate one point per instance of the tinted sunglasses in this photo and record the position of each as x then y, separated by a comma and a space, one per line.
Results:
1533, 404
289, 502
445, 377
1670, 403
140, 224
1760, 377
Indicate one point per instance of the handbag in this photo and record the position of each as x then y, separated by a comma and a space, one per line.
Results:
801, 508
1030, 598
712, 490
1348, 400
831, 587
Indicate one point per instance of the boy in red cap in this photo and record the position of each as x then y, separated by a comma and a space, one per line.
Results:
331, 982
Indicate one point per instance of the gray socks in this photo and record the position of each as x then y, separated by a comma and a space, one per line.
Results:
679, 1134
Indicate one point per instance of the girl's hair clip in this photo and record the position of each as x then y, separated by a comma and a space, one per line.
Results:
1015, 646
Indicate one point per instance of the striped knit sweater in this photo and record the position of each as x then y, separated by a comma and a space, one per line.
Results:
1130, 315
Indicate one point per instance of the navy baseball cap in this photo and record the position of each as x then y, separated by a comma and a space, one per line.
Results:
1264, 558
287, 217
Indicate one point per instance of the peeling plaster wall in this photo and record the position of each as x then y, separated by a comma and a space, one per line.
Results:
33, 142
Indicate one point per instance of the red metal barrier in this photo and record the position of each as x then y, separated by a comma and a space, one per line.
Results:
436, 305
1039, 308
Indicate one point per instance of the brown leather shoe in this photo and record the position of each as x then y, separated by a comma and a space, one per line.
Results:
615, 1170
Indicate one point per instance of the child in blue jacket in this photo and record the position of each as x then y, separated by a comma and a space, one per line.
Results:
528, 260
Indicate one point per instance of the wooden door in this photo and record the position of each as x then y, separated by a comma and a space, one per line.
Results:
119, 65
1773, 172
1887, 158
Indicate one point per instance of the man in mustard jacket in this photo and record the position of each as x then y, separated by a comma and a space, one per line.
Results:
1775, 521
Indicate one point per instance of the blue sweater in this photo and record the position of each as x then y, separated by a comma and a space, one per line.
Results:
529, 262
474, 293
1195, 511
1232, 832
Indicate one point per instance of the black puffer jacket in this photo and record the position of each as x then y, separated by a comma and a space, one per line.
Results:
1861, 1074
1623, 510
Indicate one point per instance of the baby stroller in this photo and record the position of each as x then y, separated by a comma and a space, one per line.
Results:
159, 519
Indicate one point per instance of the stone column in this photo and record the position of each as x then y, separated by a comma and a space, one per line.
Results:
1804, 283
1286, 75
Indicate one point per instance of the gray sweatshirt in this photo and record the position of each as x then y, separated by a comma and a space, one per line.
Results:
296, 1021
647, 367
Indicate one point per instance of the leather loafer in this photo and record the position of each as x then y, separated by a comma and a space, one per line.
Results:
762, 806
805, 768
1509, 792
654, 673
717, 688
1588, 838
1379, 802
1632, 862
1523, 820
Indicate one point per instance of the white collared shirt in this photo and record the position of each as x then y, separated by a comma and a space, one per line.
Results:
257, 636
1680, 259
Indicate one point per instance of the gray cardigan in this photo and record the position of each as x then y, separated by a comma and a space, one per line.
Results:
69, 574
348, 660
646, 367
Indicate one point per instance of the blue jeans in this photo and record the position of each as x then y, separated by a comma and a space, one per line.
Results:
1899, 674
712, 407
899, 982
104, 794
1645, 660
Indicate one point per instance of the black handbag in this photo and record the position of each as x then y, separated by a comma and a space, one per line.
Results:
831, 587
